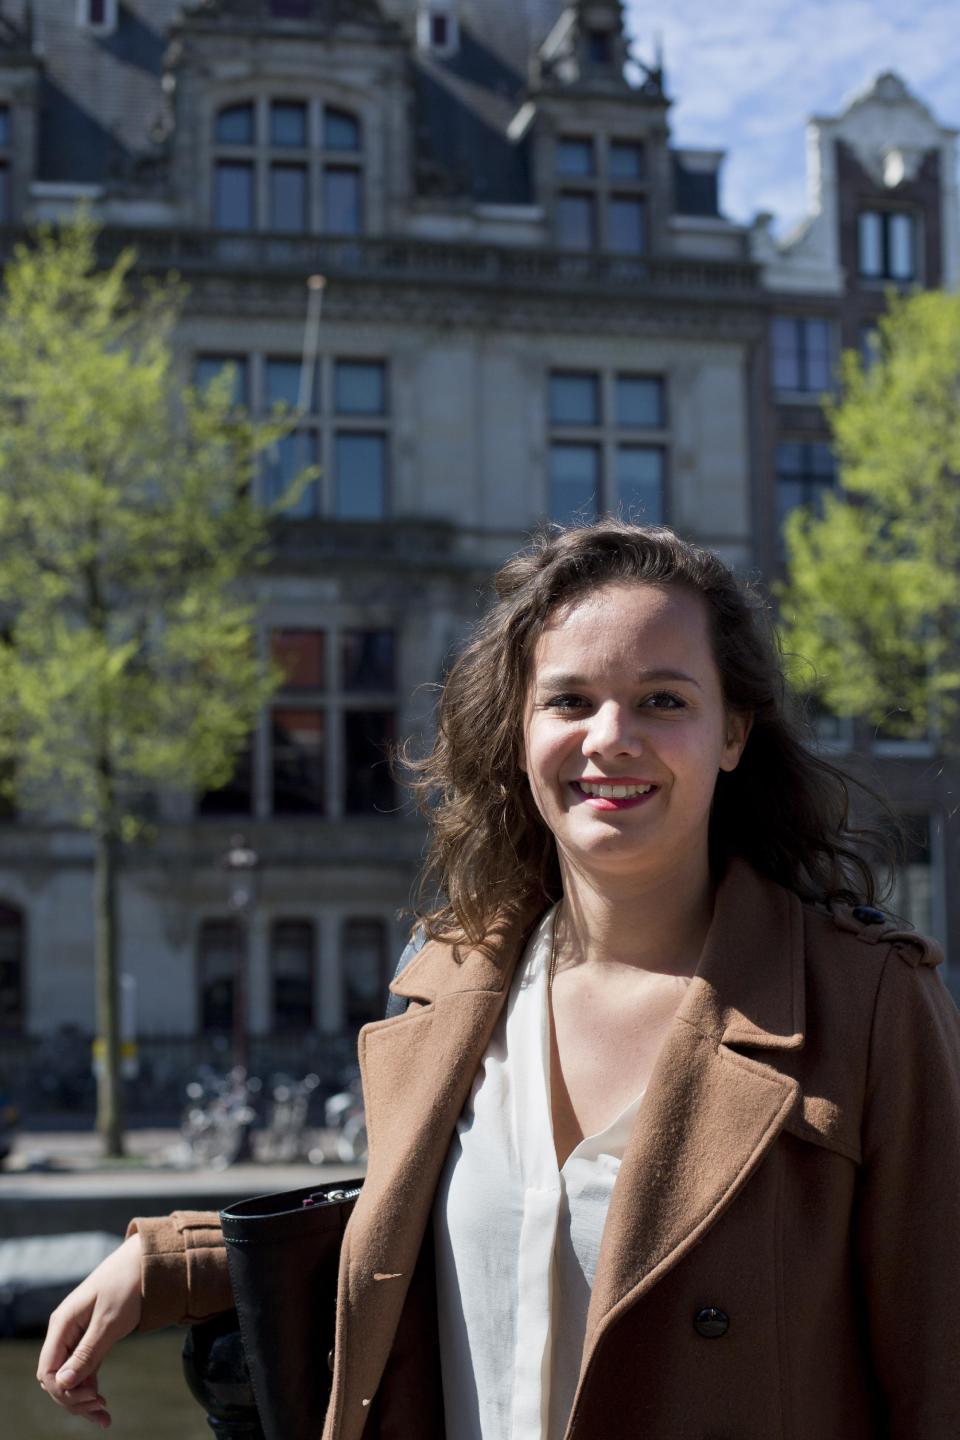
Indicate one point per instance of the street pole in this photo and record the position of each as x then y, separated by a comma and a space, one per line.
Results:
241, 863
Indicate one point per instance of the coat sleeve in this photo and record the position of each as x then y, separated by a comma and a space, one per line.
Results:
183, 1276
908, 1218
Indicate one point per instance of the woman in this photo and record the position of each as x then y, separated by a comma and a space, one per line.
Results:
667, 1142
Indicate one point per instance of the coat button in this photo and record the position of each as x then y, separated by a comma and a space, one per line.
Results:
867, 915
329, 1359
711, 1323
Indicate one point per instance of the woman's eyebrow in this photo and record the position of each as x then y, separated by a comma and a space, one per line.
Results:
562, 680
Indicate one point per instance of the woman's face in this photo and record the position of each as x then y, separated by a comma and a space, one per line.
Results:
625, 729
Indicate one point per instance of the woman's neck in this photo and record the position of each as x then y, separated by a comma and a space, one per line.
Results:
657, 925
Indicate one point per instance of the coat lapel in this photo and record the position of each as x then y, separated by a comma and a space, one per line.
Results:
417, 1072
711, 1112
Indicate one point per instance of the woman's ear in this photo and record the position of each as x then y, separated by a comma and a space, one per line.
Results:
739, 726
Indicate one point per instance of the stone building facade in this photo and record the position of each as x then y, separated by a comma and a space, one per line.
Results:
533, 310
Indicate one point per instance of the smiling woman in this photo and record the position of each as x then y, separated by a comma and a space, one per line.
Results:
667, 1140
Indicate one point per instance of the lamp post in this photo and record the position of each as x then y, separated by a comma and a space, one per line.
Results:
241, 864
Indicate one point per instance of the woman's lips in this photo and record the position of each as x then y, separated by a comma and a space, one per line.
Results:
615, 802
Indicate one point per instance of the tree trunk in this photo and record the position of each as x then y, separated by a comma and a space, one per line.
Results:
109, 1081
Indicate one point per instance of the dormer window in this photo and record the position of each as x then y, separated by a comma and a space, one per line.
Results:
437, 27
887, 245
287, 166
598, 47
601, 194
100, 16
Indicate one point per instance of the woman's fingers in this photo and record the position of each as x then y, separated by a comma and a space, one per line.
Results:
85, 1327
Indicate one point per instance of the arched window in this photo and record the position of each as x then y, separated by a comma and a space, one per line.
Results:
287, 166
12, 970
291, 974
218, 951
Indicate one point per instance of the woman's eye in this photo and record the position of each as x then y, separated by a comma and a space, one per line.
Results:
665, 700
565, 702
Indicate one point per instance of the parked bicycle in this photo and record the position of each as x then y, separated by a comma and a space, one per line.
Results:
220, 1111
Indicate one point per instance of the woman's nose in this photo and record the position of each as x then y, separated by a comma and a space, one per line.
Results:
613, 730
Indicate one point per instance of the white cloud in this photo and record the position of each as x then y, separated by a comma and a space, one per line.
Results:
747, 78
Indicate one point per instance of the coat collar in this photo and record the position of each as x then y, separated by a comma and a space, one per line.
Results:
705, 1098
750, 989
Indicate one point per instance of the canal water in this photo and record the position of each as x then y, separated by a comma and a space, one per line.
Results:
142, 1380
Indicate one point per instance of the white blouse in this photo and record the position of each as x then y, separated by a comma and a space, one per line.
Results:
517, 1239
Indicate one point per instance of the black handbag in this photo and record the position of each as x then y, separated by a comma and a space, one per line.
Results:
283, 1252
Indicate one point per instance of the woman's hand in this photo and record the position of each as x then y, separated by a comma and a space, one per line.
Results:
85, 1327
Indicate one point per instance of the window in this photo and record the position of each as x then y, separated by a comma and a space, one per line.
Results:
218, 953
298, 747
805, 472
626, 225
292, 946
208, 368
286, 385
343, 428
574, 157
233, 202
626, 160
599, 49
802, 354
601, 204
576, 222
607, 445
334, 722
290, 9
270, 174
439, 31
886, 244
6, 198
917, 881
301, 656
97, 15
236, 796
363, 953
12, 970
235, 125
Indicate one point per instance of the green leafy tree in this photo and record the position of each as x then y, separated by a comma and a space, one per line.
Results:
872, 597
128, 538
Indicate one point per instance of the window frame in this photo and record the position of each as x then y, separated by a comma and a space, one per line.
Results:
604, 186
799, 323
309, 1022
314, 157
19, 1023
608, 436
886, 215
336, 701
85, 20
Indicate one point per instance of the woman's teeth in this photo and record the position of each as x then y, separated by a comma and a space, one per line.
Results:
613, 792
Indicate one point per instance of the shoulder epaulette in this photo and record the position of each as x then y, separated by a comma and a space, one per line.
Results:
873, 926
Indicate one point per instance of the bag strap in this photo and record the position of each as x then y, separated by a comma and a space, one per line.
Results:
397, 1004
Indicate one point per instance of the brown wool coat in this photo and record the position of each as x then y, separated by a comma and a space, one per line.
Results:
795, 1164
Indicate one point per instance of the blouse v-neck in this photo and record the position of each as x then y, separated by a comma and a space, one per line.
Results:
517, 1236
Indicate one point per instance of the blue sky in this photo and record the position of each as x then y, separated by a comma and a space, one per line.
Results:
744, 76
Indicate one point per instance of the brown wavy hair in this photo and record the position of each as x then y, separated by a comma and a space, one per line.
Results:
491, 857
